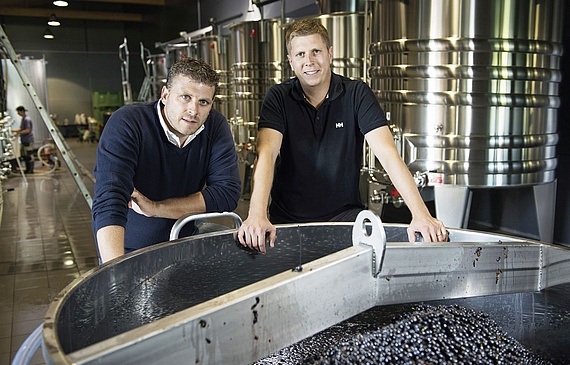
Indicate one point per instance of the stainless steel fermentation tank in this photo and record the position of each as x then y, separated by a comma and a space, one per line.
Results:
472, 85
347, 35
215, 50
207, 300
257, 65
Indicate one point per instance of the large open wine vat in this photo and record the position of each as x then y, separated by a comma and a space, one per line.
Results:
207, 300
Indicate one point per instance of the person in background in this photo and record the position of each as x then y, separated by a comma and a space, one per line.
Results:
309, 147
161, 160
25, 131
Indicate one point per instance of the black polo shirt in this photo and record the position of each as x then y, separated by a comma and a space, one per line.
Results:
318, 170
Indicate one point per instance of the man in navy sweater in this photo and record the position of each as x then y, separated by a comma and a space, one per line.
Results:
159, 161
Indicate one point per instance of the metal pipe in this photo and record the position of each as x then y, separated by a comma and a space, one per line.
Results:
199, 14
225, 20
263, 3
185, 37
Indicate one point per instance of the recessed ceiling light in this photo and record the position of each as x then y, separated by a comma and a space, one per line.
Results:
60, 3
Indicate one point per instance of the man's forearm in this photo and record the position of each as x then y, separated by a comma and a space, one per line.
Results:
261, 187
404, 182
111, 242
175, 208
382, 144
172, 208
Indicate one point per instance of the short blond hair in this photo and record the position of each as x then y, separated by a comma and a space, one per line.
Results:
305, 27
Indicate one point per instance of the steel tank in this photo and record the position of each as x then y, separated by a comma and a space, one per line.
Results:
215, 50
346, 32
177, 51
472, 86
158, 64
257, 64
258, 55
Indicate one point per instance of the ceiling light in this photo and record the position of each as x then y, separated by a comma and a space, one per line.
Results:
48, 34
53, 22
60, 3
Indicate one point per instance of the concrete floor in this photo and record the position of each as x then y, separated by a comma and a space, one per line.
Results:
45, 243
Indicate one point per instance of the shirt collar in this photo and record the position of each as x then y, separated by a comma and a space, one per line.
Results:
335, 88
172, 138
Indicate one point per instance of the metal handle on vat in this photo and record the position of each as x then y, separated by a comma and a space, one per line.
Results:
177, 226
371, 235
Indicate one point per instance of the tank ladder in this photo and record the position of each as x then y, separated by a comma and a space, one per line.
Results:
147, 91
124, 57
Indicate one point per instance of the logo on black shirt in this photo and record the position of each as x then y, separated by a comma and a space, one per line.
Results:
339, 125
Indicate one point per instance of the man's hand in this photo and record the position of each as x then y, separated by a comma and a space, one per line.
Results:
253, 231
141, 204
432, 230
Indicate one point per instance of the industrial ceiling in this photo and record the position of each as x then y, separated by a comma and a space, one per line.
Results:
102, 10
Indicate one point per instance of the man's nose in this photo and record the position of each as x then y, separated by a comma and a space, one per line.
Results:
192, 108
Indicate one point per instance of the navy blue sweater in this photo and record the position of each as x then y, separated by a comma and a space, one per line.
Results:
134, 152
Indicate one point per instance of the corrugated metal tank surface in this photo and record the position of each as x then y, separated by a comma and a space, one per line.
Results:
257, 64
346, 31
473, 86
215, 50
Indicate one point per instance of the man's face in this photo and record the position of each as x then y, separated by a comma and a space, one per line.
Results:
186, 105
310, 60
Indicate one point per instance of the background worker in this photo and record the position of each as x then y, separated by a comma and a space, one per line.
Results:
25, 131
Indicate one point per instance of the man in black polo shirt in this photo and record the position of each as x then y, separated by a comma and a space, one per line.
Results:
309, 147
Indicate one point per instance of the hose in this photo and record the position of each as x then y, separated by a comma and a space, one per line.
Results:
29, 347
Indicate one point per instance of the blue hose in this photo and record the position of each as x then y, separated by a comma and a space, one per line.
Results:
29, 347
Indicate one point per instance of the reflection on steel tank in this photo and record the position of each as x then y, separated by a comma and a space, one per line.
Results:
177, 51
335, 6
473, 88
214, 50
258, 58
157, 67
346, 31
257, 65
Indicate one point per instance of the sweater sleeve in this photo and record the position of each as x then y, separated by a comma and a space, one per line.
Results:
223, 185
114, 170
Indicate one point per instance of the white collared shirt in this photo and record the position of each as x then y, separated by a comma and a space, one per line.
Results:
172, 138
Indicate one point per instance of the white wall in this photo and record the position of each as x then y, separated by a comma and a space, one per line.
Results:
18, 95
